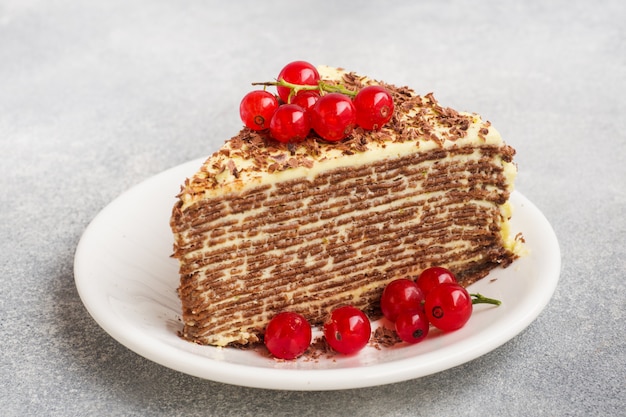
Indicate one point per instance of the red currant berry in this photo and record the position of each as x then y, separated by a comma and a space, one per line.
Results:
306, 99
289, 124
432, 277
347, 330
256, 109
374, 107
400, 295
333, 116
296, 72
412, 326
448, 307
287, 335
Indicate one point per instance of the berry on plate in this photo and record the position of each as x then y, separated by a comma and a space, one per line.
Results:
347, 330
287, 335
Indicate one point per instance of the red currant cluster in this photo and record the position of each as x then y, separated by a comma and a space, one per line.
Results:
306, 103
434, 298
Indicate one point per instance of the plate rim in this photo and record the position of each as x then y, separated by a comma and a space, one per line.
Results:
284, 379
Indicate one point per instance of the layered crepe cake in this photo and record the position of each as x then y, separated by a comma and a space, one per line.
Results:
265, 227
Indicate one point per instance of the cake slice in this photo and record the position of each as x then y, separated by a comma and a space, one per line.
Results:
265, 227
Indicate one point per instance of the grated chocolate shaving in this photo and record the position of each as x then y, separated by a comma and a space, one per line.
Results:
384, 337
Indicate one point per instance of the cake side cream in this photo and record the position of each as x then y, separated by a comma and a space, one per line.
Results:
234, 171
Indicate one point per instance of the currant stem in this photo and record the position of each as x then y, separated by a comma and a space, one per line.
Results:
321, 86
330, 88
480, 299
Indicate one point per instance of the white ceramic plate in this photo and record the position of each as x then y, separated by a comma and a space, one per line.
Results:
127, 281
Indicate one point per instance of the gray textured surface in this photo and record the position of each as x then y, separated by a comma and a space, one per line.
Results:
95, 98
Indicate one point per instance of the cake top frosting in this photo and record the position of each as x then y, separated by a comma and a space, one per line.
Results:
418, 121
